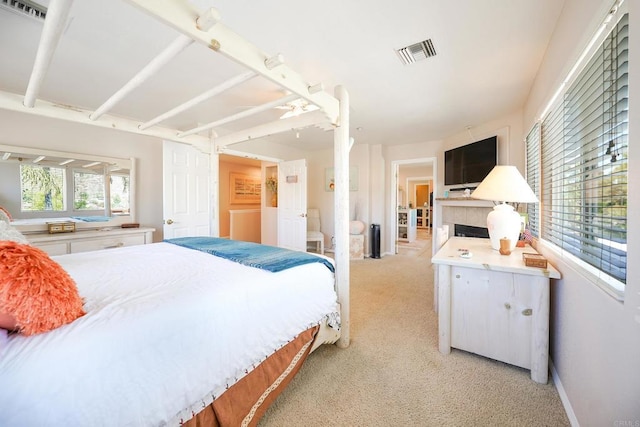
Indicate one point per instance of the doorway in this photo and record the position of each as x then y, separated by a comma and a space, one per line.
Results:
412, 184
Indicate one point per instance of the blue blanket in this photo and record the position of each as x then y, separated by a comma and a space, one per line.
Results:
269, 258
92, 218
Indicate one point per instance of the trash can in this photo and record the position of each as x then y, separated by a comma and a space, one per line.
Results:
375, 241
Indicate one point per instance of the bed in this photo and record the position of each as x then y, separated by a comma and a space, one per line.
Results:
196, 24
178, 334
170, 333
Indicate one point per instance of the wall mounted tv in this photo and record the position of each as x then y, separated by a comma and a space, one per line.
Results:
471, 163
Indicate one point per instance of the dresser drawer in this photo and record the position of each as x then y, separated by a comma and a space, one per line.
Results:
108, 242
53, 248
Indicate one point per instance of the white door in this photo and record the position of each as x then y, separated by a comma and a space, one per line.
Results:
185, 191
292, 205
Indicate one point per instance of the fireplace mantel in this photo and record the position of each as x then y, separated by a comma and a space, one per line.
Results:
464, 201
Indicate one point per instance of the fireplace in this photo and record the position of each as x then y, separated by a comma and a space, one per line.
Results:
462, 230
463, 212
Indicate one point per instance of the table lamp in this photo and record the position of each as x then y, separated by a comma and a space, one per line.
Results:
504, 184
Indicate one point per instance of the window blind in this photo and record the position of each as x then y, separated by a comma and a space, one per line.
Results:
533, 178
584, 142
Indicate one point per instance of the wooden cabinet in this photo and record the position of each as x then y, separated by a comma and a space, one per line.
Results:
84, 241
407, 223
494, 306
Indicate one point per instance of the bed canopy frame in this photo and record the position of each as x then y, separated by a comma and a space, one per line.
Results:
206, 28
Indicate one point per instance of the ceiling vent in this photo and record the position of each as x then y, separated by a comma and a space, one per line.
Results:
25, 8
417, 52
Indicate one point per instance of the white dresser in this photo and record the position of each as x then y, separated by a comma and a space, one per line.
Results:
493, 305
91, 240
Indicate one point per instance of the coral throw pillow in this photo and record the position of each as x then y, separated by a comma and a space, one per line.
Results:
35, 290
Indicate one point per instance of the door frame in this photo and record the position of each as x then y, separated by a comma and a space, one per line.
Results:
392, 229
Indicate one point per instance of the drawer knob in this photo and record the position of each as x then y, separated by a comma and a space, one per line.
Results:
117, 245
507, 306
527, 312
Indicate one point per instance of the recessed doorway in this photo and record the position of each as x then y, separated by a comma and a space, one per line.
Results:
412, 183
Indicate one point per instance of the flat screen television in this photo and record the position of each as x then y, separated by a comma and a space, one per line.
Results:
471, 163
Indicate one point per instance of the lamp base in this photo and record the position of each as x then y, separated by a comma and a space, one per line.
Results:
503, 222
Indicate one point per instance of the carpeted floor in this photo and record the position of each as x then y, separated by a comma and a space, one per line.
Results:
422, 241
392, 373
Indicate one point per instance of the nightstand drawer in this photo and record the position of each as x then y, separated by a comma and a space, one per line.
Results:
107, 243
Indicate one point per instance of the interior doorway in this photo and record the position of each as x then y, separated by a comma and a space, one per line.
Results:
412, 182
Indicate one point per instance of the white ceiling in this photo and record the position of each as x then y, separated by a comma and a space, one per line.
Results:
488, 53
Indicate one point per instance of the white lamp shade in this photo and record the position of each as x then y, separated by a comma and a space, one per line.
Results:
504, 184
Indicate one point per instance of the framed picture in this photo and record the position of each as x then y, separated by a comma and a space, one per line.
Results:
244, 189
329, 179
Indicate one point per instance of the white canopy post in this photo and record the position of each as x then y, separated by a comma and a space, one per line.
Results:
341, 203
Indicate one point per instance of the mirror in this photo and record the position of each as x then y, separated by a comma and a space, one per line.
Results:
38, 185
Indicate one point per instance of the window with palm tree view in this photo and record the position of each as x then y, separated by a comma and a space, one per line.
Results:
44, 189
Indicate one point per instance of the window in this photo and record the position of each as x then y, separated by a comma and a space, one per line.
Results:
88, 191
53, 184
41, 188
119, 186
582, 160
46, 188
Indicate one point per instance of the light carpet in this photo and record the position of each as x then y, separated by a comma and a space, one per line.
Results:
392, 374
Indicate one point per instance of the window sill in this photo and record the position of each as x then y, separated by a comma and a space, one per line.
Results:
591, 274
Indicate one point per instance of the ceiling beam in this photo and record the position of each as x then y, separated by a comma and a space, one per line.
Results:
241, 115
12, 102
271, 128
170, 52
52, 30
182, 16
234, 81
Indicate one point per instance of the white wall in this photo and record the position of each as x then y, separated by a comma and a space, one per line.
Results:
318, 197
595, 340
32, 131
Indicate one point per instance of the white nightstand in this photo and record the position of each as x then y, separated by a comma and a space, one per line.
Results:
493, 305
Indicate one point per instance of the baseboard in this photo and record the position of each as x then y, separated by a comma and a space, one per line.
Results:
563, 396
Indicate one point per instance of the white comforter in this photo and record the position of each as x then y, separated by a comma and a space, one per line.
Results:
166, 329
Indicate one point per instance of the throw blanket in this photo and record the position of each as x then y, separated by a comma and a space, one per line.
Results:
92, 218
269, 258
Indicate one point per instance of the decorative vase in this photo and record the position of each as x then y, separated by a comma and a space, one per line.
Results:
274, 200
356, 227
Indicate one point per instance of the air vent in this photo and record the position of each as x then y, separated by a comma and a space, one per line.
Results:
25, 8
416, 52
